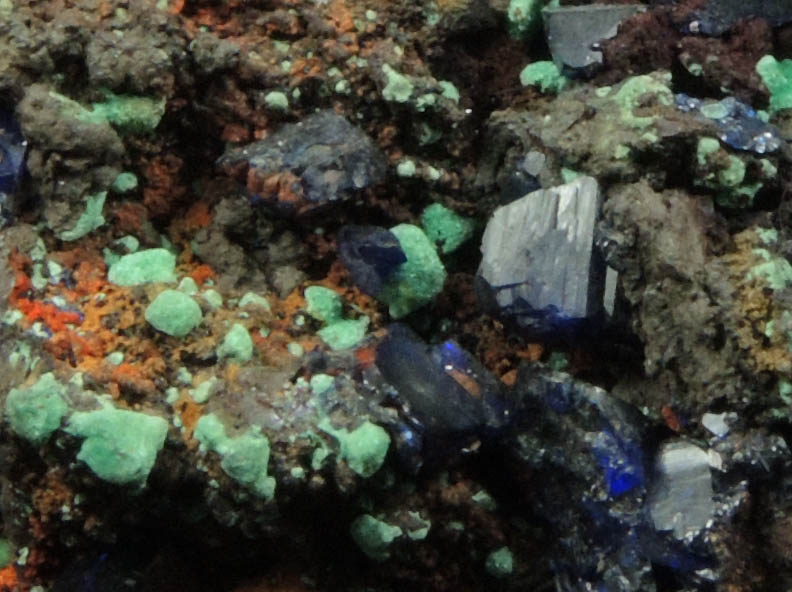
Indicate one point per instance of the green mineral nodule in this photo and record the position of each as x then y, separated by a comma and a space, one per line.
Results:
546, 75
500, 563
129, 114
174, 312
119, 446
419, 279
323, 304
36, 411
236, 345
777, 77
143, 267
344, 334
374, 536
244, 458
446, 228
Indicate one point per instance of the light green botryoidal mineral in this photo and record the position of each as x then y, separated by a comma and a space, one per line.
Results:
446, 228
774, 270
127, 113
244, 458
277, 100
373, 536
419, 279
174, 312
500, 563
777, 77
36, 411
253, 300
91, 219
545, 75
119, 446
636, 90
344, 334
398, 87
237, 344
143, 267
125, 182
364, 448
323, 304
524, 16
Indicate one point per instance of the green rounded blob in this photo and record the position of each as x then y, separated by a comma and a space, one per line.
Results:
213, 298
244, 458
236, 345
125, 182
143, 267
705, 147
344, 334
174, 313
545, 75
419, 279
777, 77
36, 411
209, 431
406, 168
204, 391
120, 446
374, 536
500, 563
398, 87
323, 304
188, 286
364, 448
277, 101
254, 300
446, 228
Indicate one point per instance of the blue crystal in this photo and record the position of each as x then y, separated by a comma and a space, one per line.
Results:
12, 156
371, 254
622, 462
445, 389
738, 123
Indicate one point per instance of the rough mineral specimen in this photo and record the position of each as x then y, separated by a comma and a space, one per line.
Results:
321, 159
12, 157
371, 254
681, 497
574, 31
715, 17
446, 389
740, 126
539, 262
174, 313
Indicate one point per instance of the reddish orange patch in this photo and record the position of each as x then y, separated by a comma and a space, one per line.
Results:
130, 217
366, 356
671, 419
201, 273
198, 216
55, 318
8, 579
510, 378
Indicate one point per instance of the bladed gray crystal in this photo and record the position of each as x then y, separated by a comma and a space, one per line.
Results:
573, 32
538, 254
